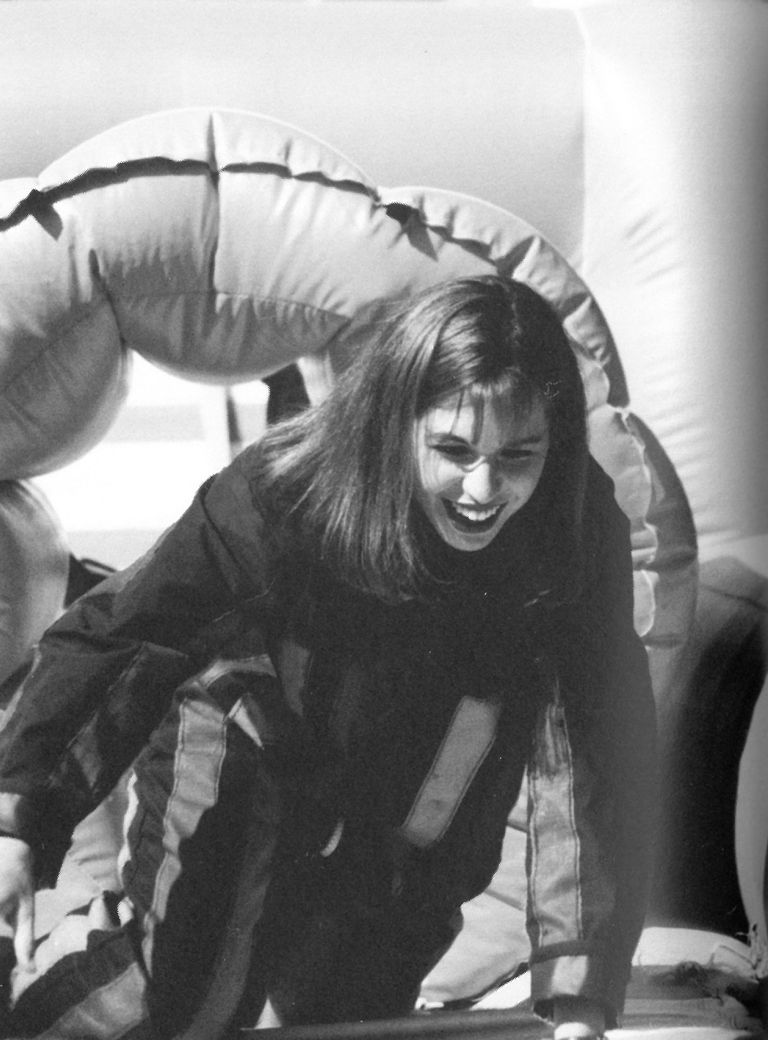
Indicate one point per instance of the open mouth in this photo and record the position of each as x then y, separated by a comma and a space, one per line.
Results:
470, 519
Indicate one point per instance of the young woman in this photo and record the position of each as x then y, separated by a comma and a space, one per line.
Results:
331, 676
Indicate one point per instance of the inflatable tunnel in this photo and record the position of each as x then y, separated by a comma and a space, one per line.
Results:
171, 241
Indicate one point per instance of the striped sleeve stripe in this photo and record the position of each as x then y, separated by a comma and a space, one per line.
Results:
554, 840
464, 747
108, 1013
200, 752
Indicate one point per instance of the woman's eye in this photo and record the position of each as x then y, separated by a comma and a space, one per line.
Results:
453, 451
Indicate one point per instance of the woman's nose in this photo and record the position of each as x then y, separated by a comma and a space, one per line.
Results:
481, 481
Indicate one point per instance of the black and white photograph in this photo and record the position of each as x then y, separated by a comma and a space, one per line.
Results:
383, 519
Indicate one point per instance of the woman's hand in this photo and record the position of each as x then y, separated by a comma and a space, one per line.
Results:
17, 905
576, 1017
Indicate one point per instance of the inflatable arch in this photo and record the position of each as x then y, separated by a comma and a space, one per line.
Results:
222, 245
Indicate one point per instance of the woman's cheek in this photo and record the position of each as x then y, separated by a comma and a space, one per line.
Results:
440, 477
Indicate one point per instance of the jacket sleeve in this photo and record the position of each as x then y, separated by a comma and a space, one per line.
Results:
592, 783
104, 673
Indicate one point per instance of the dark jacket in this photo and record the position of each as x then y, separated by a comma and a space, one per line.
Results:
401, 733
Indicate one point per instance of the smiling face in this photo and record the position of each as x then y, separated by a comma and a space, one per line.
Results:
478, 463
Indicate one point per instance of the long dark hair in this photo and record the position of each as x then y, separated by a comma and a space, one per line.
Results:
345, 468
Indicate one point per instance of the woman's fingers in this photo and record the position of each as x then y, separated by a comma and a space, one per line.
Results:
17, 904
24, 937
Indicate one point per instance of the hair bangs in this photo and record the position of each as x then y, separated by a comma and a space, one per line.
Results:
509, 387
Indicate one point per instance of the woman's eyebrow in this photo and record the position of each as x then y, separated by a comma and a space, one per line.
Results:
528, 441
443, 435
522, 442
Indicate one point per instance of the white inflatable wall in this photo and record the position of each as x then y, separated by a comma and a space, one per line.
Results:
676, 236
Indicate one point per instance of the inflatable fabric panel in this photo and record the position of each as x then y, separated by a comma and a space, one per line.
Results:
751, 830
665, 588
707, 720
34, 565
676, 235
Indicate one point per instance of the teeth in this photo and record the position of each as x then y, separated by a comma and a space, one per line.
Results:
476, 515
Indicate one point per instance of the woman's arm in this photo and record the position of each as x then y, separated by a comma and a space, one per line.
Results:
105, 672
592, 782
